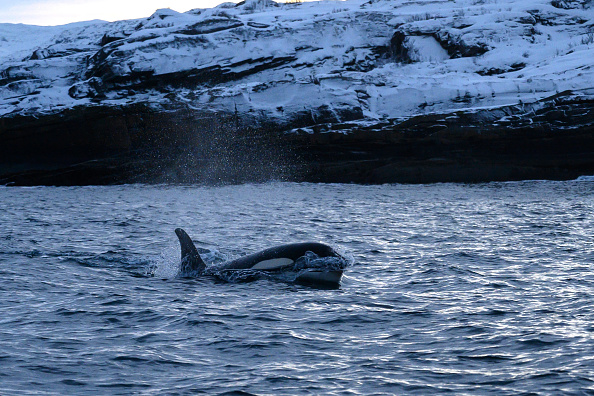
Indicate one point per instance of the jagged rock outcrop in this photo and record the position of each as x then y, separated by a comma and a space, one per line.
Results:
373, 91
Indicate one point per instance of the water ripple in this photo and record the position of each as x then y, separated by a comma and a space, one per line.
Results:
461, 289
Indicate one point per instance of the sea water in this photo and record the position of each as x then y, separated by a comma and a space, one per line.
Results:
451, 288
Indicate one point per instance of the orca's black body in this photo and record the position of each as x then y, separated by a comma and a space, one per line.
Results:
272, 259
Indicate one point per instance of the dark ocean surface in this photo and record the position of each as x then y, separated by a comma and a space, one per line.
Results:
461, 289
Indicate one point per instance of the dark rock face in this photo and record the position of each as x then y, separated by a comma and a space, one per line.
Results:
553, 139
135, 144
550, 139
454, 45
568, 5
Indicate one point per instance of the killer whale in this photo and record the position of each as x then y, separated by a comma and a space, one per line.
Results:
276, 258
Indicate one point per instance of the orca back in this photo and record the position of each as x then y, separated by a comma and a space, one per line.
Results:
280, 256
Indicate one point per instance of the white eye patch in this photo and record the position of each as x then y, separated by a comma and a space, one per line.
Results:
273, 264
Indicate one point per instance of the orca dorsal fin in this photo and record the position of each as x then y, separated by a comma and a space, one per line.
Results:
191, 262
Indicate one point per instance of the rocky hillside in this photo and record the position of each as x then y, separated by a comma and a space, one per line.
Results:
363, 91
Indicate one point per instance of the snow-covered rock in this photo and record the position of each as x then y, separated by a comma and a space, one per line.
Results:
305, 67
387, 58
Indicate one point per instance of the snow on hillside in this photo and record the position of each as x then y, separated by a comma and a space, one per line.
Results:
367, 60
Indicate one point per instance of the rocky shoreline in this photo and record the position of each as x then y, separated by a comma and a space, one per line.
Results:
351, 92
549, 139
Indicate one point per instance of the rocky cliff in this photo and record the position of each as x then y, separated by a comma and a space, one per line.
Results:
371, 92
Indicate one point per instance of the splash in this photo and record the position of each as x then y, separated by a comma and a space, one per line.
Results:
166, 265
312, 261
239, 276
